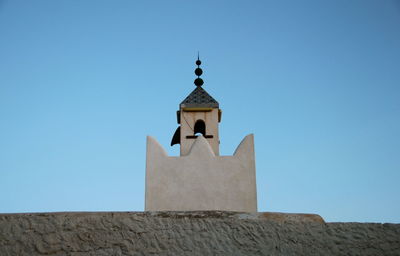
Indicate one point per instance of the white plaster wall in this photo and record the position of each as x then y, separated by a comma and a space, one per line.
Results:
201, 180
189, 118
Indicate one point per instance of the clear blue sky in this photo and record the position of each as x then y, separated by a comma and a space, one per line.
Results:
318, 82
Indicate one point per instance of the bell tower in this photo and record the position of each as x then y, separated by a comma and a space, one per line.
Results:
198, 114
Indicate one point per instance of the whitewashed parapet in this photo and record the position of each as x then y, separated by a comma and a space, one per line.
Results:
201, 180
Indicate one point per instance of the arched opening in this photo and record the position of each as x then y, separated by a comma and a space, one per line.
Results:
200, 128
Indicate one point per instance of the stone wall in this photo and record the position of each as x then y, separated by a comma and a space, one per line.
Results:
191, 233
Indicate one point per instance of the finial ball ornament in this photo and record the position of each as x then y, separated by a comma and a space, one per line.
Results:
198, 82
198, 71
198, 62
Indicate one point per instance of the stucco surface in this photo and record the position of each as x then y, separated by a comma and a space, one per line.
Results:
201, 180
191, 233
188, 120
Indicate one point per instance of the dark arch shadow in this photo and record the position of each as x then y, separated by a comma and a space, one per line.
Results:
200, 127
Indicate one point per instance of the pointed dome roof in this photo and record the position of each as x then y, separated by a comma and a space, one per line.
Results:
199, 98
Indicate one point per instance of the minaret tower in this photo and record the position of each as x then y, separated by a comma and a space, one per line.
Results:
198, 113
200, 179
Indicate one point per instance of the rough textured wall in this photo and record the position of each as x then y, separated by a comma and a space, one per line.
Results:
191, 233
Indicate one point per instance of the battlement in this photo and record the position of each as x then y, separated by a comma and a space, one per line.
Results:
201, 180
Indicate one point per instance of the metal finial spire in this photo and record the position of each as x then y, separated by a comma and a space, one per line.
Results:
198, 71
